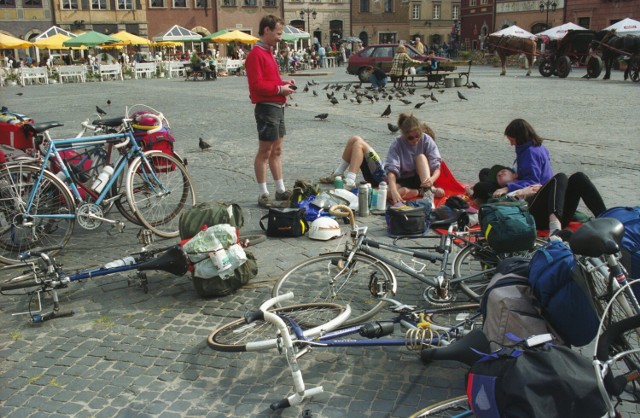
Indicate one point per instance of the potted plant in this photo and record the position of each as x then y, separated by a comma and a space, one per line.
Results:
12, 78
127, 72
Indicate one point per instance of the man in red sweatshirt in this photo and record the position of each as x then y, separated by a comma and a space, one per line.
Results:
269, 93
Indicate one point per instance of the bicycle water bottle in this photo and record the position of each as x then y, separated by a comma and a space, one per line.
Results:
338, 183
381, 204
103, 179
220, 259
127, 261
363, 200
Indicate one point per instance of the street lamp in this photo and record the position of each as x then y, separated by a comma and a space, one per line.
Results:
547, 4
310, 13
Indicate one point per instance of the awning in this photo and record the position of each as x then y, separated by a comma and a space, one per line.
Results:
178, 34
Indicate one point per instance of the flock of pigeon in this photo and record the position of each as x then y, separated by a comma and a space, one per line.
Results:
354, 93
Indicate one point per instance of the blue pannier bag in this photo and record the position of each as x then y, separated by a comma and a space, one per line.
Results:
630, 218
560, 289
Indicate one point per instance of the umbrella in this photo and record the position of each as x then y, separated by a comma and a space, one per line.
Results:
351, 39
54, 42
559, 32
625, 27
90, 39
236, 35
291, 33
127, 38
10, 42
215, 34
516, 31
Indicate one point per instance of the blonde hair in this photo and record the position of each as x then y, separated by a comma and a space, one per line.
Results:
427, 130
400, 49
408, 123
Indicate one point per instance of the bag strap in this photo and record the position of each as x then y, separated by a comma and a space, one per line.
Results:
511, 281
262, 219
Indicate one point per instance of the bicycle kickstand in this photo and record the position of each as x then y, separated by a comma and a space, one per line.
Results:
140, 280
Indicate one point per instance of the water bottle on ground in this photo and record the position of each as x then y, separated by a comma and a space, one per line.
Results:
381, 204
126, 261
363, 200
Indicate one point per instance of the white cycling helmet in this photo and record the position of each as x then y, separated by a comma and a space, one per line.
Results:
324, 229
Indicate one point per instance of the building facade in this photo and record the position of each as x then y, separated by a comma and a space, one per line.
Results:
380, 21
598, 14
434, 21
327, 21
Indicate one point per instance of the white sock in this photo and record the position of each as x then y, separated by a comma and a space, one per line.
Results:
554, 226
262, 187
341, 167
350, 177
280, 186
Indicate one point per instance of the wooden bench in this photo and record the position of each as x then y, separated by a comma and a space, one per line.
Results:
144, 69
36, 74
176, 68
110, 70
73, 72
437, 78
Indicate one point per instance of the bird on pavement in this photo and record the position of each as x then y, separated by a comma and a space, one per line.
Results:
359, 100
322, 116
407, 102
203, 145
418, 105
344, 96
108, 102
474, 84
100, 111
334, 101
461, 96
19, 94
315, 93
386, 112
326, 87
433, 98
393, 128
441, 91
306, 88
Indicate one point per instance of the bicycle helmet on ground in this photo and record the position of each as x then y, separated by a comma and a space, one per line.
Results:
324, 229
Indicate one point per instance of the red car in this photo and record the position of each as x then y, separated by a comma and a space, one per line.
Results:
382, 55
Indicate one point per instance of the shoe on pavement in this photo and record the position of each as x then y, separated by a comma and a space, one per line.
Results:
264, 201
349, 185
328, 180
286, 195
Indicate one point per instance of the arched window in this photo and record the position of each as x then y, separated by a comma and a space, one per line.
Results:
364, 37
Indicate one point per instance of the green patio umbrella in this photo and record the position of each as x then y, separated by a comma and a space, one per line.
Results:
214, 34
90, 39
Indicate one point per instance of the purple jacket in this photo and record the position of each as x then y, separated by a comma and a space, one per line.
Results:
401, 158
533, 165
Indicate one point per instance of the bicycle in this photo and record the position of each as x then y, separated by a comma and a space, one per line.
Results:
360, 277
37, 208
300, 328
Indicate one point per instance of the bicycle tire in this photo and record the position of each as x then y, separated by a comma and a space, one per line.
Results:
20, 232
120, 194
24, 284
324, 278
465, 316
448, 408
159, 210
238, 336
248, 240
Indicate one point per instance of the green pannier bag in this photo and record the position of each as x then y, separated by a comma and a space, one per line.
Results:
217, 287
302, 189
508, 226
209, 214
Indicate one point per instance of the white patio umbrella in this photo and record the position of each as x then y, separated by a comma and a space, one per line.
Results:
626, 26
514, 31
560, 32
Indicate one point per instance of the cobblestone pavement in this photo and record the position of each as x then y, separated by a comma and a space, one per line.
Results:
130, 354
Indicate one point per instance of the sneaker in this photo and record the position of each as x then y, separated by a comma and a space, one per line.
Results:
264, 201
349, 185
286, 195
328, 180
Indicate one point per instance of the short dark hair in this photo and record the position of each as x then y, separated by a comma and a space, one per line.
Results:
522, 132
269, 21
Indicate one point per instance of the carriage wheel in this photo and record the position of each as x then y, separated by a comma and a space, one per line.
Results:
546, 67
634, 69
594, 66
563, 66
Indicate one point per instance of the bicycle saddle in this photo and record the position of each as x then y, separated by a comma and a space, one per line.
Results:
461, 350
111, 122
597, 237
459, 215
173, 261
41, 127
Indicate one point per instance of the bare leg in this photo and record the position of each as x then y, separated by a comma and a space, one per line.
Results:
262, 158
275, 159
354, 153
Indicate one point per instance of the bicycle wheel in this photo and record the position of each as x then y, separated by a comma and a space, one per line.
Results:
454, 407
41, 227
158, 189
238, 336
461, 317
329, 278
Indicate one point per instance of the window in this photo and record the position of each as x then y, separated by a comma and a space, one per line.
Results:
415, 11
32, 3
99, 4
157, 3
125, 5
9, 3
484, 1
229, 2
69, 4
250, 3
178, 4
201, 4
584, 22
364, 6
383, 52
436, 11
269, 3
388, 6
472, 2
455, 12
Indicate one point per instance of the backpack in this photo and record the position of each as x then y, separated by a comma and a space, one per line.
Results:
412, 219
508, 226
209, 213
540, 382
302, 189
157, 141
559, 288
630, 218
508, 306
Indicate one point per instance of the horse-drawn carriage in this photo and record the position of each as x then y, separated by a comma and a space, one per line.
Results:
610, 47
562, 54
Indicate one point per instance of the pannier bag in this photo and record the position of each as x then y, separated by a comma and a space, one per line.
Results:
542, 382
285, 222
561, 290
508, 226
412, 219
302, 190
12, 130
630, 218
209, 213
511, 312
157, 141
214, 252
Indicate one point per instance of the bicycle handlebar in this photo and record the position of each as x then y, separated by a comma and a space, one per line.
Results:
37, 319
38, 253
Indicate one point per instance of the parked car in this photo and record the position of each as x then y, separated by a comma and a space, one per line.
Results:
379, 55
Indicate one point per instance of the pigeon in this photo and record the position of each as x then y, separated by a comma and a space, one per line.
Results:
108, 102
334, 101
202, 144
461, 96
433, 98
344, 96
386, 112
306, 88
100, 111
359, 100
330, 95
441, 91
19, 94
418, 105
426, 96
393, 128
322, 116
315, 93
339, 86
326, 87
407, 102
474, 84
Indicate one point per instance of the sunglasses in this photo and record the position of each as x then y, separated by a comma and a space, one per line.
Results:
413, 137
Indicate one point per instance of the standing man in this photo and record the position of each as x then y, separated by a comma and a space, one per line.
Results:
419, 45
322, 56
269, 93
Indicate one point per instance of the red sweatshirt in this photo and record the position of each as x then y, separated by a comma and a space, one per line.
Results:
263, 75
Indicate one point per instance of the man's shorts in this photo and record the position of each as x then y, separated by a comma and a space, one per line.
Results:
372, 169
270, 121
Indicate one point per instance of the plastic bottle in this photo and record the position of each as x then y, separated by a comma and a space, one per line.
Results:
363, 200
338, 183
61, 176
103, 179
381, 204
127, 261
220, 258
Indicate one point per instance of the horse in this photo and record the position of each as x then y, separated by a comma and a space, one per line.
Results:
612, 46
512, 45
